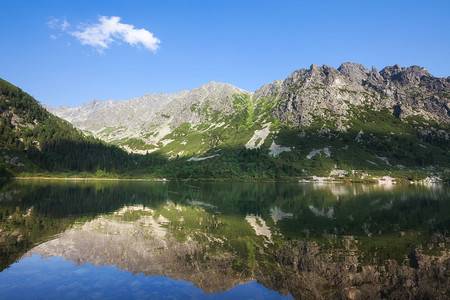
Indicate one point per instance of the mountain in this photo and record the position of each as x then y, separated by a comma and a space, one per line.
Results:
33, 140
316, 121
330, 94
140, 123
348, 123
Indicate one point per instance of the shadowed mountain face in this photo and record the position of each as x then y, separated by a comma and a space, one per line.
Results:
308, 240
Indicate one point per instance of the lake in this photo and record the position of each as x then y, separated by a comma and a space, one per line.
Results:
197, 240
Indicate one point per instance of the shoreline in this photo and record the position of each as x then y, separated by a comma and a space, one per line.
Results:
88, 179
374, 180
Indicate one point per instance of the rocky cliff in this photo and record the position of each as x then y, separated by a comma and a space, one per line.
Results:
327, 93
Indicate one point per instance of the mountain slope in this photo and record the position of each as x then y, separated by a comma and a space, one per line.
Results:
32, 139
141, 123
318, 121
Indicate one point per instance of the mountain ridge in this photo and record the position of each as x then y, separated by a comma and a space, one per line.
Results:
390, 75
299, 100
97, 115
349, 123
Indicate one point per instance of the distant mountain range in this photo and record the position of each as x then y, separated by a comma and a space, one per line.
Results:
151, 117
316, 121
306, 97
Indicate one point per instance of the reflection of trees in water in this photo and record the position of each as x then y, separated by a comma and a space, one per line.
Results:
32, 212
352, 209
307, 244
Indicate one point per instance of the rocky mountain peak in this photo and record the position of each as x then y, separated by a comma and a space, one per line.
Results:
356, 72
93, 103
111, 101
269, 89
313, 93
405, 75
315, 67
215, 87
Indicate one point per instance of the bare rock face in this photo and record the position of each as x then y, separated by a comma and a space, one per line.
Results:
269, 89
404, 76
415, 91
354, 71
327, 94
314, 93
214, 96
152, 109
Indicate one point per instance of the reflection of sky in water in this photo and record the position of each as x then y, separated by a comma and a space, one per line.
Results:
230, 235
56, 278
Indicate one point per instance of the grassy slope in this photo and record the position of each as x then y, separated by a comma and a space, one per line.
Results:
376, 143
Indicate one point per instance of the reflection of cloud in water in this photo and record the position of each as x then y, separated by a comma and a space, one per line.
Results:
321, 213
277, 214
259, 225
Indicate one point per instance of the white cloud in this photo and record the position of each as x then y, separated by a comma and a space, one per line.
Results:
53, 37
64, 25
60, 24
109, 30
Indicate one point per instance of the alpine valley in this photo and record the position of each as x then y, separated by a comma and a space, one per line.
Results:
320, 123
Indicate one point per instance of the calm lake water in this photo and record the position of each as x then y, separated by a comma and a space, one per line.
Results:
191, 240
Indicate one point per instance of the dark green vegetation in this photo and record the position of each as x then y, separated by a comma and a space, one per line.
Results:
306, 239
35, 143
33, 140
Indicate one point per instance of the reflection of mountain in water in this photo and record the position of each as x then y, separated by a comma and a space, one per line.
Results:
151, 242
144, 245
374, 244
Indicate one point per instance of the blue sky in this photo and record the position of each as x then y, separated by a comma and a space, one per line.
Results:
246, 43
